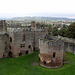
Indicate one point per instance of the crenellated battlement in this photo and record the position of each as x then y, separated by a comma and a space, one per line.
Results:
27, 29
22, 39
48, 41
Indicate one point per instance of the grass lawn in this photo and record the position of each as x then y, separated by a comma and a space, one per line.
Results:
23, 65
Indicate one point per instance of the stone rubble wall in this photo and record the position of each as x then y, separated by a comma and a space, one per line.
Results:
69, 44
46, 50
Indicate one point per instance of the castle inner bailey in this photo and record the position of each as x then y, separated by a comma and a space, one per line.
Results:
51, 53
15, 42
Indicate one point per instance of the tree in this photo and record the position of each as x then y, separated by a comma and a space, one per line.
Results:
55, 31
71, 30
38, 24
64, 26
50, 30
62, 32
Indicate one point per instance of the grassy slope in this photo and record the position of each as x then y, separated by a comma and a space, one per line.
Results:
23, 66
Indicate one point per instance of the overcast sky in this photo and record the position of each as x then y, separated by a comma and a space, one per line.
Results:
51, 8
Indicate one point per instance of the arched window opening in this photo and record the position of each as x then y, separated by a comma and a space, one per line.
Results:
54, 54
44, 62
10, 54
20, 54
29, 46
27, 52
34, 48
10, 39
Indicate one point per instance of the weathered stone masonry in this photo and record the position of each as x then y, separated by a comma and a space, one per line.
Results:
4, 40
15, 42
51, 53
69, 43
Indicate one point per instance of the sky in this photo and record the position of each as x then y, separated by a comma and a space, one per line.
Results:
47, 8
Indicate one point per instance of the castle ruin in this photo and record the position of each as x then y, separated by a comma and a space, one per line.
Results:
15, 42
51, 53
20, 41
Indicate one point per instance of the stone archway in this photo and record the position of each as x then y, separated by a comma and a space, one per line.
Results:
10, 54
29, 46
26, 52
34, 48
10, 39
44, 62
20, 54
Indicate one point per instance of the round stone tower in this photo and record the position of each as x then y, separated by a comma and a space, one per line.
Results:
51, 53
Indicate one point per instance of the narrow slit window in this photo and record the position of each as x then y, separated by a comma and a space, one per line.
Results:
10, 39
54, 54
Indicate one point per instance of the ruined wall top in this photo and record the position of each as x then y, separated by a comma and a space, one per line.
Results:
65, 39
47, 46
51, 53
47, 41
3, 26
25, 29
32, 23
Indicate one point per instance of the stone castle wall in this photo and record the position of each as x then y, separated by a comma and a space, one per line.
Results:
4, 40
29, 38
69, 43
31, 41
51, 53
4, 45
70, 47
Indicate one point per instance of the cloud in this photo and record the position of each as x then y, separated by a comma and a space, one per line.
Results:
36, 7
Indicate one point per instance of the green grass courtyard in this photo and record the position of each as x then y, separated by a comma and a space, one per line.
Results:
23, 65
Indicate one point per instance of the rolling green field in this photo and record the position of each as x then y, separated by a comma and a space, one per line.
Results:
23, 65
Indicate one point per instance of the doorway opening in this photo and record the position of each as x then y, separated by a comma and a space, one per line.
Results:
27, 52
10, 54
20, 54
34, 49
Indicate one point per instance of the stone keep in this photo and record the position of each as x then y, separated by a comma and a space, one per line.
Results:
17, 42
51, 54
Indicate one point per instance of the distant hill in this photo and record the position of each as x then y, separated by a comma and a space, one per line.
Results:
41, 19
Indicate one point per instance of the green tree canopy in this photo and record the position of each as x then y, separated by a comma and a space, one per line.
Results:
55, 31
71, 30
62, 32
